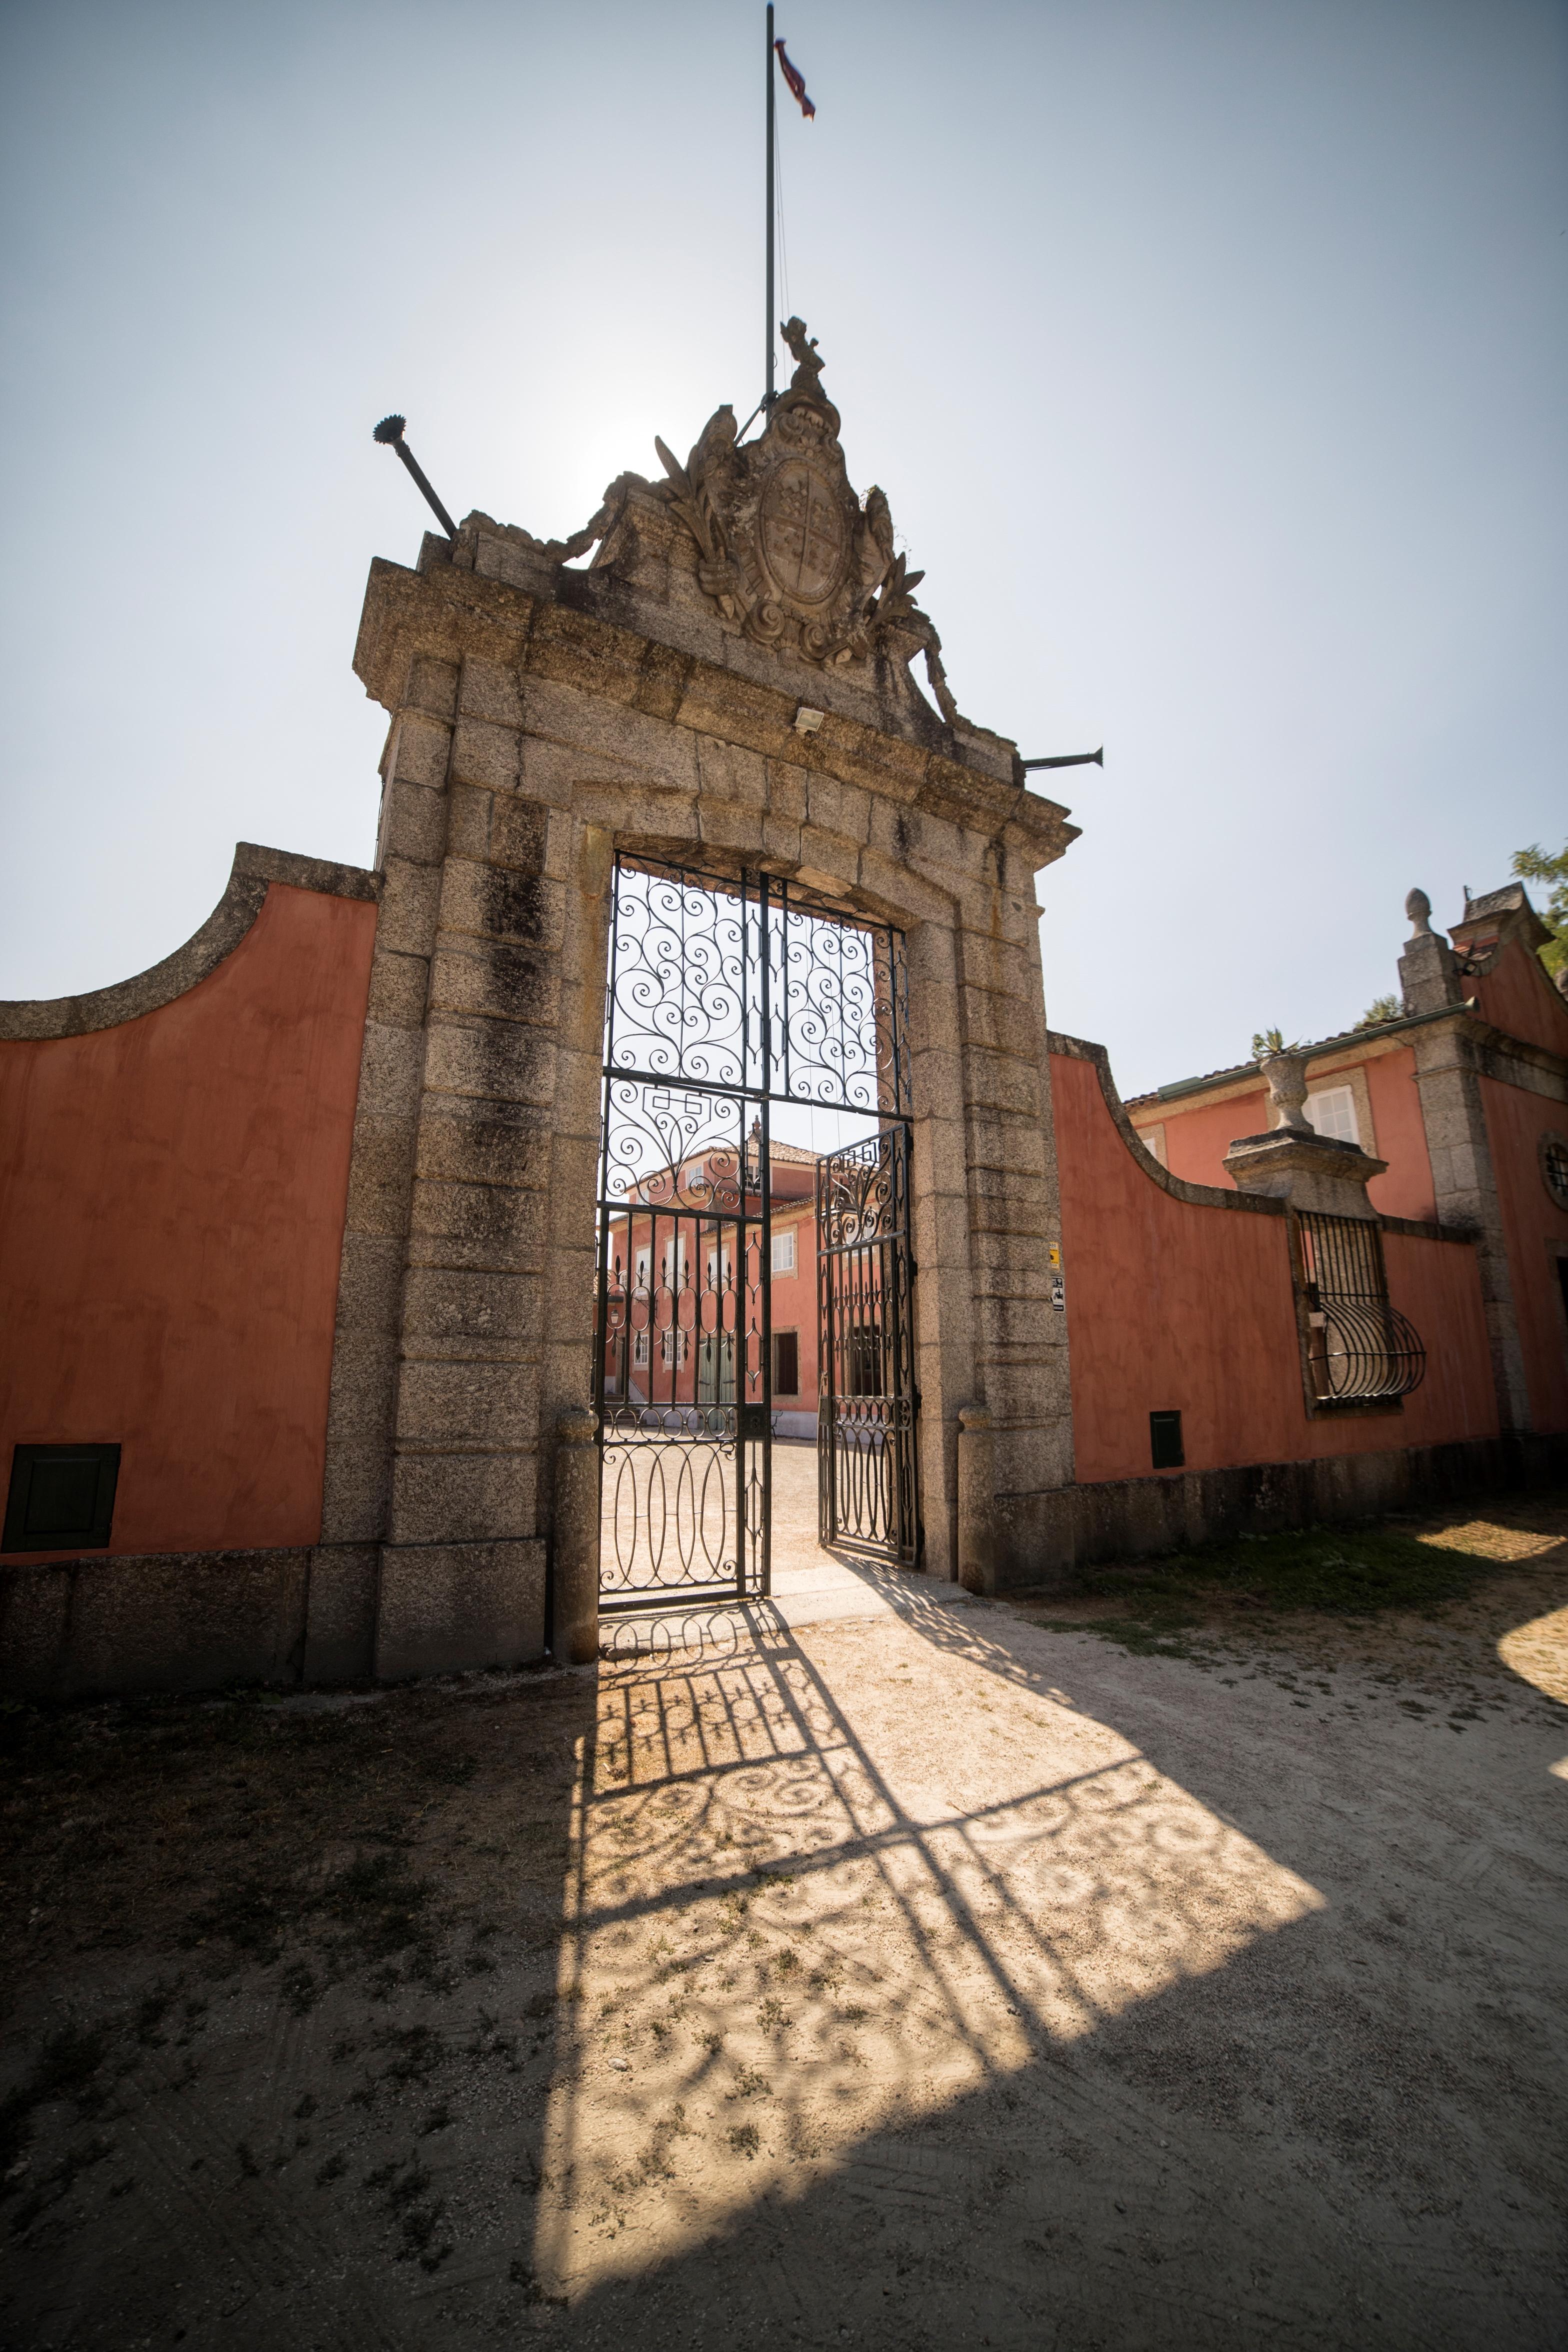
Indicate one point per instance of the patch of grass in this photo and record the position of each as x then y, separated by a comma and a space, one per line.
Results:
1351, 1570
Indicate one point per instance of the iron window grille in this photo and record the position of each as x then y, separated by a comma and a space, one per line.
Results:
1360, 1349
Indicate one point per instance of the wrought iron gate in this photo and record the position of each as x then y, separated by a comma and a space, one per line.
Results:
725, 996
866, 1431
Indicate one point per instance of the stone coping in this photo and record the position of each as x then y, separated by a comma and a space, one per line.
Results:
255, 869
1201, 1196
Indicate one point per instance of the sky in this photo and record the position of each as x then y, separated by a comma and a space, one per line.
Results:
1211, 353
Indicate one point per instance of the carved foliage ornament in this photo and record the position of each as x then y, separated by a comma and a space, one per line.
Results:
785, 547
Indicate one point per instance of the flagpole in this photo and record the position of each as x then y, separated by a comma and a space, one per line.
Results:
768, 402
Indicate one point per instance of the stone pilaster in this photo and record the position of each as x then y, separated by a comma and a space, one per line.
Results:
1465, 1191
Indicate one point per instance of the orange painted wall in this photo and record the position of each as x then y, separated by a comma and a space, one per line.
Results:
1518, 998
1515, 1121
1171, 1303
1198, 1136
1407, 1189
172, 1202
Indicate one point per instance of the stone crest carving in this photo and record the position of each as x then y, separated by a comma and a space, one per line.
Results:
786, 549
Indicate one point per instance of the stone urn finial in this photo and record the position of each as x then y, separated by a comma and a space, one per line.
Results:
1285, 1067
1418, 911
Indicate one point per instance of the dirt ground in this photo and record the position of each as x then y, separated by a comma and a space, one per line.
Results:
1030, 1974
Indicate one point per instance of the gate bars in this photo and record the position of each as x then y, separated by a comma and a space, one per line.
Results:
723, 996
866, 1434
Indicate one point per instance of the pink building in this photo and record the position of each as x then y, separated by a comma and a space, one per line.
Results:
1459, 1099
683, 1289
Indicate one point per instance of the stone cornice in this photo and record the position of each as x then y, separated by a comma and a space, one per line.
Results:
445, 613
253, 870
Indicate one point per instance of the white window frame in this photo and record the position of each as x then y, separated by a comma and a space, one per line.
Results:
672, 1344
785, 1251
640, 1351
1343, 1099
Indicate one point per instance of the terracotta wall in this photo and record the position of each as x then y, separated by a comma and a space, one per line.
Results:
172, 1205
1531, 1220
1198, 1136
1173, 1304
1519, 999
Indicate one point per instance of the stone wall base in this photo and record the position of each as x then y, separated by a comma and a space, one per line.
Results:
1043, 1539
90, 1628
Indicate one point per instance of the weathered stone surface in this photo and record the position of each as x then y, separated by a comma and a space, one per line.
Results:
448, 1607
166, 1621
481, 1226
453, 1312
412, 824
408, 904
502, 1060
463, 1497
417, 751
506, 983
486, 755
380, 1175
340, 1623
465, 1404
491, 690
474, 1142
398, 986
433, 688
495, 902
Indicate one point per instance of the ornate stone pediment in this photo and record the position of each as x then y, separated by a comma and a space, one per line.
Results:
786, 549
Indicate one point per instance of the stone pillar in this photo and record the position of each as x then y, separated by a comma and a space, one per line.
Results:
574, 1550
976, 1500
1465, 1193
1454, 1116
1428, 978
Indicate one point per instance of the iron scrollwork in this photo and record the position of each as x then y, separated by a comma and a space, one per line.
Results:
724, 996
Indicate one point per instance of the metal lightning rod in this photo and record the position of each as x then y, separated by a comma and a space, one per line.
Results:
389, 433
769, 395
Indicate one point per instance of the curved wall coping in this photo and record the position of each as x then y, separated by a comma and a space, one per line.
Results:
1200, 1196
253, 870
1213, 1196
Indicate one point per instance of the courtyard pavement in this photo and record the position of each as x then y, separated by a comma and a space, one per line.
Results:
913, 1970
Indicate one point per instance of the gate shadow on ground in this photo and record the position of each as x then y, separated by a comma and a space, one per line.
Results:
915, 2003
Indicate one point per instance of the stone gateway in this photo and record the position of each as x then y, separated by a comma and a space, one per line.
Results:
364, 1448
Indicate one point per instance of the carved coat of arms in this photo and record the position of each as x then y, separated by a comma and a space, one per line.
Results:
785, 547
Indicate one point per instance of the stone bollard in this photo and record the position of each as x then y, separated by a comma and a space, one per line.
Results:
976, 1500
574, 1631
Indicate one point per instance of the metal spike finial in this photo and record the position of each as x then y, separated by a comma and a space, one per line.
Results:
389, 433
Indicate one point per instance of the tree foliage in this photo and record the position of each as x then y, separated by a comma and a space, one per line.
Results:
1381, 1008
1537, 865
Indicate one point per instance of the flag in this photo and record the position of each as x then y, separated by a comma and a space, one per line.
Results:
796, 87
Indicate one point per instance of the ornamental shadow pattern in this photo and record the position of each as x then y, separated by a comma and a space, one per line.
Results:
792, 1925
